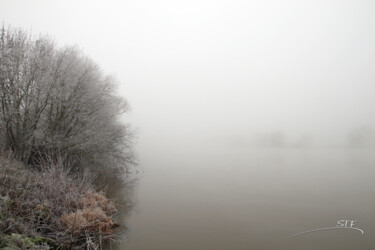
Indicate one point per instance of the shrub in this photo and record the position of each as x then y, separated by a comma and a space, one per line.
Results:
52, 207
94, 214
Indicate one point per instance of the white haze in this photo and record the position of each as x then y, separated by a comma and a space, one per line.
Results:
225, 71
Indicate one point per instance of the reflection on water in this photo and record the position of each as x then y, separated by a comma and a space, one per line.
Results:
119, 188
240, 198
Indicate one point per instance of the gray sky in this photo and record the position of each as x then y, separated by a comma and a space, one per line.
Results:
223, 68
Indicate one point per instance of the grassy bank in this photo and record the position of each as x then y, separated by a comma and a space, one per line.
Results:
50, 207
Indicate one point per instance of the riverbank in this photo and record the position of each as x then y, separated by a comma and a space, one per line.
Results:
50, 207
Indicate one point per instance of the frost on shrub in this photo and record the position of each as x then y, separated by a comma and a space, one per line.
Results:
62, 208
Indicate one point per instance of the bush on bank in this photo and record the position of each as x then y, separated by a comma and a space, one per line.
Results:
52, 208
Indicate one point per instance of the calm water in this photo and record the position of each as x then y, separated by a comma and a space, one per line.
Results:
221, 197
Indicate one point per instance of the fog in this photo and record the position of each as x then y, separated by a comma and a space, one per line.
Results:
224, 95
220, 70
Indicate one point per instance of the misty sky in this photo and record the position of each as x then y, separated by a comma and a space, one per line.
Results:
224, 68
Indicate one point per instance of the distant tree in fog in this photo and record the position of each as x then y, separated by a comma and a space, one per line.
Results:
271, 139
303, 141
361, 137
56, 101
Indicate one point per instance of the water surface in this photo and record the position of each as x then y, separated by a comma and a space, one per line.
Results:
215, 196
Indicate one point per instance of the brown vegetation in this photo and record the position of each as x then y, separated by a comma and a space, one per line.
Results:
52, 203
94, 214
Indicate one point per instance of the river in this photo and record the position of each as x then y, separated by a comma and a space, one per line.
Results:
217, 196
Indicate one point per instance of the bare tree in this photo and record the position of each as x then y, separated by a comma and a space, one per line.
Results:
56, 101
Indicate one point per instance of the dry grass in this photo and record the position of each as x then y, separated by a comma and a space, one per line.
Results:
55, 204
